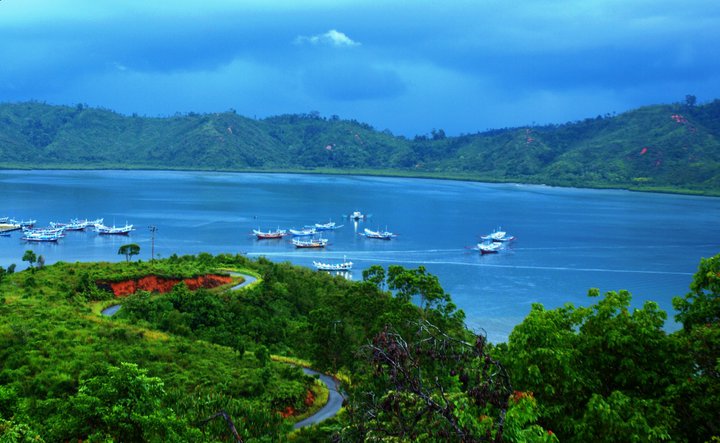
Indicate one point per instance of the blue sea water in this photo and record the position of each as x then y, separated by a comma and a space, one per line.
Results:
567, 240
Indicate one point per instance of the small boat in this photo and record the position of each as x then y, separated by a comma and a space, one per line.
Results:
303, 232
92, 223
74, 225
43, 231
329, 226
497, 236
382, 235
489, 248
312, 243
357, 215
344, 266
41, 236
113, 230
264, 235
23, 223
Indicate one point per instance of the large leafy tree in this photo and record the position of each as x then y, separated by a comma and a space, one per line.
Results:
599, 373
698, 393
125, 403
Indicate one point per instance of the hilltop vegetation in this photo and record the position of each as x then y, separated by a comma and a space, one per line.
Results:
674, 148
163, 365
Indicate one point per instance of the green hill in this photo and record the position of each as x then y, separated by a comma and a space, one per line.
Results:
672, 148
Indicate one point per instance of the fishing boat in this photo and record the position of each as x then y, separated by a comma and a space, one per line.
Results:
305, 232
357, 215
329, 226
23, 223
264, 235
73, 225
113, 230
489, 248
382, 235
497, 236
43, 231
93, 223
41, 236
339, 267
312, 243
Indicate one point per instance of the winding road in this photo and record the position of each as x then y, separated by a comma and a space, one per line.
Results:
333, 405
335, 398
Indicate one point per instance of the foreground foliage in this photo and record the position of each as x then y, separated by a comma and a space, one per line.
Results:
175, 367
611, 373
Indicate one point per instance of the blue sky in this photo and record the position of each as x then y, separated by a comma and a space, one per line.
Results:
407, 66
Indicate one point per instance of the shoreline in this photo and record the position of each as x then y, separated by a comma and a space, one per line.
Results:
373, 173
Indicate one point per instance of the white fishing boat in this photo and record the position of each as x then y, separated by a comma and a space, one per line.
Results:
113, 230
43, 231
264, 235
305, 232
312, 243
41, 236
93, 223
73, 225
337, 267
497, 236
382, 235
329, 226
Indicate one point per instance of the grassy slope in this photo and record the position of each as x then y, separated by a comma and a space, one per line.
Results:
50, 340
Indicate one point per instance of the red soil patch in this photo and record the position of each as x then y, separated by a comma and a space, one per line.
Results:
153, 283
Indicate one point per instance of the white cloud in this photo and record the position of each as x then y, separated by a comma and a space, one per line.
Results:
331, 38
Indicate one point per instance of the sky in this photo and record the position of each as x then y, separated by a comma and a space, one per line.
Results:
407, 66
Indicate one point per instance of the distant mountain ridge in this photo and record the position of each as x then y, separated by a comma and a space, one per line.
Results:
673, 148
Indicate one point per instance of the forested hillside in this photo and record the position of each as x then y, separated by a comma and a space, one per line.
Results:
162, 367
672, 148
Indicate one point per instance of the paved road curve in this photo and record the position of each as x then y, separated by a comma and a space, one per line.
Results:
333, 405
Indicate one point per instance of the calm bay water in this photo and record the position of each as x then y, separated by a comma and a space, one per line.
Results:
568, 240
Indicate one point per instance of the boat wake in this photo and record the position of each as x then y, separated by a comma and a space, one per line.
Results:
374, 259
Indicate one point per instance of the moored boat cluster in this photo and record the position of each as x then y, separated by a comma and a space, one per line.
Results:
493, 242
310, 236
56, 230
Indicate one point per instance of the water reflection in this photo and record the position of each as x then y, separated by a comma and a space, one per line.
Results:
347, 275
